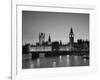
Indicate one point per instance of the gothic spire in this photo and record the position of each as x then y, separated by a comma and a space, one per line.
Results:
49, 39
71, 30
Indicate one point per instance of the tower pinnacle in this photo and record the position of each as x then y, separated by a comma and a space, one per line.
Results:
71, 36
49, 39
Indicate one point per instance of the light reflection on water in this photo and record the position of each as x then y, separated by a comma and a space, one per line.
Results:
31, 65
60, 61
67, 60
54, 64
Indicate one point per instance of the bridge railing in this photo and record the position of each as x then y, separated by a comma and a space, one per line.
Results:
36, 49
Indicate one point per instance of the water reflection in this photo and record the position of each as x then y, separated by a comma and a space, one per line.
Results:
38, 62
31, 65
60, 57
84, 60
67, 60
60, 61
77, 60
54, 64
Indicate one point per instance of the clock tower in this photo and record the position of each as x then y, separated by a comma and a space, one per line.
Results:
71, 37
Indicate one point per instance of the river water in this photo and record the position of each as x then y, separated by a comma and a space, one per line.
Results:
60, 61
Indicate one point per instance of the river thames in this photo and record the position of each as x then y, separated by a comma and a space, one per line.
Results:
55, 61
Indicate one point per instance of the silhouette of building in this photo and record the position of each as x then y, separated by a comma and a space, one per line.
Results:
60, 42
71, 38
49, 45
49, 40
41, 38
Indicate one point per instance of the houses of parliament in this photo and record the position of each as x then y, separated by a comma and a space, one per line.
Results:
50, 45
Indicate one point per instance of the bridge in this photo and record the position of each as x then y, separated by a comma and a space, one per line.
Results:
48, 51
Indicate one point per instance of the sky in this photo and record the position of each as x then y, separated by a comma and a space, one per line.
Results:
54, 23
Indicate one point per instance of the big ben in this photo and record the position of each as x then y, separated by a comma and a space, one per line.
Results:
71, 37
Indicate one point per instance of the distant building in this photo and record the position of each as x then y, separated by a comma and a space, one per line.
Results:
83, 44
41, 38
60, 42
50, 45
71, 38
49, 40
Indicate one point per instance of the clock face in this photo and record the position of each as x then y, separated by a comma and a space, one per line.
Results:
71, 35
